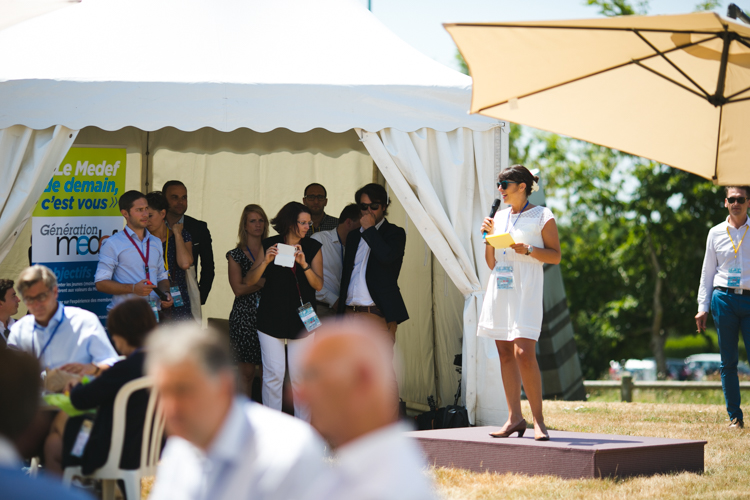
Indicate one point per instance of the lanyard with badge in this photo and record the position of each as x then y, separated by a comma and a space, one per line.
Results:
735, 270
306, 312
145, 259
49, 341
174, 291
504, 271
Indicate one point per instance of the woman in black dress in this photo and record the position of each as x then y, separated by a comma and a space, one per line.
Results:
285, 291
243, 330
178, 255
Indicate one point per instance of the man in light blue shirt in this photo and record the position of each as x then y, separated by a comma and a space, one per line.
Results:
222, 446
131, 262
59, 336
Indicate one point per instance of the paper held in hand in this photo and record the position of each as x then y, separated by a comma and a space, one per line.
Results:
500, 240
285, 257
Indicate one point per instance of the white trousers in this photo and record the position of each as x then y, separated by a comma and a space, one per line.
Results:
274, 369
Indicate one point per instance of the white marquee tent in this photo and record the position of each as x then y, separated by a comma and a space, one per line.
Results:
248, 101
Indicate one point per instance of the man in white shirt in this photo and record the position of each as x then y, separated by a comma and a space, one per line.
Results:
333, 242
347, 385
131, 262
725, 291
59, 336
221, 445
8, 307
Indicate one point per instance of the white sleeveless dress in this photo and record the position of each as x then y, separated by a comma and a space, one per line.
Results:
508, 314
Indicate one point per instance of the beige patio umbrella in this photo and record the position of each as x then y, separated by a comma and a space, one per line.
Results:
675, 89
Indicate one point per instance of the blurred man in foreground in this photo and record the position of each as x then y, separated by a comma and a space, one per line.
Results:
20, 387
348, 381
221, 445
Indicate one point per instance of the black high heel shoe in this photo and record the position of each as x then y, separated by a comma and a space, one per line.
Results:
520, 428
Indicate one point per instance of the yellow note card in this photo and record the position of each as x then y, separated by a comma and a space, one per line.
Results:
500, 240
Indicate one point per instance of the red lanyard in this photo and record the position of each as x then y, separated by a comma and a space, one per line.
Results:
148, 251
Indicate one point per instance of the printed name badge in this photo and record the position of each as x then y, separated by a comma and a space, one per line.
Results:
735, 273
83, 437
176, 296
308, 316
504, 276
152, 303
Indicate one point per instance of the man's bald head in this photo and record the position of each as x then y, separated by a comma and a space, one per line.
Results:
348, 380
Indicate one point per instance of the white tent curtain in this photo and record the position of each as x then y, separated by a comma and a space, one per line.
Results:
444, 181
28, 159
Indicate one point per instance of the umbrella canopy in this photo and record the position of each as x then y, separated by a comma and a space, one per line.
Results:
675, 89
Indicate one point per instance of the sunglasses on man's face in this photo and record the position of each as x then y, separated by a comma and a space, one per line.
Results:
740, 199
504, 184
365, 206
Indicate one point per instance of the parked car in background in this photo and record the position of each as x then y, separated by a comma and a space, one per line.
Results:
700, 365
640, 369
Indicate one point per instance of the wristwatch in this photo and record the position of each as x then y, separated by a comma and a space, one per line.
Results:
529, 250
306, 268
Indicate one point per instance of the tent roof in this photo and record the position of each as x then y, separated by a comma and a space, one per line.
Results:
225, 64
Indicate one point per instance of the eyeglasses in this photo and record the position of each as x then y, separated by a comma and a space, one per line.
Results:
365, 206
36, 298
504, 184
740, 199
308, 224
313, 197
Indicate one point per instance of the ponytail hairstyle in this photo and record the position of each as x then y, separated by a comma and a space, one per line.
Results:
519, 174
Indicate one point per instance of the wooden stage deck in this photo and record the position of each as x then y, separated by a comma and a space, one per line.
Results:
570, 455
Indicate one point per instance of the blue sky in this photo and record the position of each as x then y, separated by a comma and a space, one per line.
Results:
419, 22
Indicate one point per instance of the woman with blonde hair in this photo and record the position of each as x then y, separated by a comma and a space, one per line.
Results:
243, 333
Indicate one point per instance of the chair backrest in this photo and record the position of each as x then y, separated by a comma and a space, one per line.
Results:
153, 428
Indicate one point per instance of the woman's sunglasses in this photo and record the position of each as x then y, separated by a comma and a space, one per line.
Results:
740, 199
504, 184
365, 206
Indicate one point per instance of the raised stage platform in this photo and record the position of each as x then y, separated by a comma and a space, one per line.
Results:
570, 455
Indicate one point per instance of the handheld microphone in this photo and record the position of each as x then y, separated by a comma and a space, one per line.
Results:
495, 206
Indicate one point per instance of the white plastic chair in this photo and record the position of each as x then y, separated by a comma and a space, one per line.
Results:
153, 431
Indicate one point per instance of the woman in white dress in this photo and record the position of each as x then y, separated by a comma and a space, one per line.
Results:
512, 310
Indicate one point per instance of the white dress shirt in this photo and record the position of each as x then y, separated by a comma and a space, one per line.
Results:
259, 453
333, 265
720, 257
9, 457
120, 261
382, 465
358, 293
78, 337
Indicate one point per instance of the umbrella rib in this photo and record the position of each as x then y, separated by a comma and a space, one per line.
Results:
740, 100
664, 56
703, 96
599, 28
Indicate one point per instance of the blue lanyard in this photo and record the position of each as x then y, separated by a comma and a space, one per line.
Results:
33, 344
250, 252
514, 222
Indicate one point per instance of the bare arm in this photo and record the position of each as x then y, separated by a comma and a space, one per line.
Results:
235, 280
114, 288
489, 251
550, 254
314, 274
184, 249
256, 273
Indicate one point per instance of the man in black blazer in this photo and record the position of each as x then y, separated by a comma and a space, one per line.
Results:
372, 263
176, 194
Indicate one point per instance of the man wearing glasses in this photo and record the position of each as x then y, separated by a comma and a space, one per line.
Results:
372, 263
59, 336
316, 199
725, 291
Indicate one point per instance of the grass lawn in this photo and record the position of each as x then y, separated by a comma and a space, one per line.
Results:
727, 454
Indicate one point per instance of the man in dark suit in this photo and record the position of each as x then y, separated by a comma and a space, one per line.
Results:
372, 263
176, 194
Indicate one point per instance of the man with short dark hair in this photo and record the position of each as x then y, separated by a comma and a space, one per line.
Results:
20, 387
222, 446
333, 242
8, 307
725, 291
176, 194
316, 199
131, 262
374, 254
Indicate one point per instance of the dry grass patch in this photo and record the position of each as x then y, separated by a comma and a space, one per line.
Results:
727, 456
